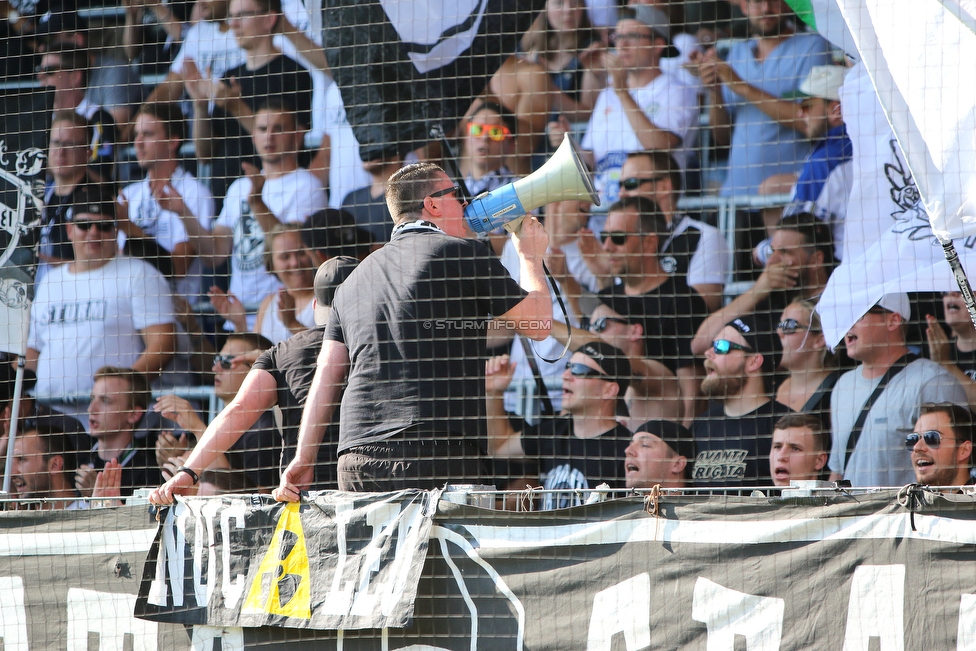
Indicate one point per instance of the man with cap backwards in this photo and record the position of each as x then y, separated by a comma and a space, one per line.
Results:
581, 449
875, 404
99, 310
642, 106
281, 376
662, 454
734, 436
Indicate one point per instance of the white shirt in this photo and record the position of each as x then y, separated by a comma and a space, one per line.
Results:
83, 321
346, 172
667, 103
290, 198
165, 226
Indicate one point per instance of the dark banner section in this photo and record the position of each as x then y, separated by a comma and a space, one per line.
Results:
404, 65
68, 580
337, 561
848, 572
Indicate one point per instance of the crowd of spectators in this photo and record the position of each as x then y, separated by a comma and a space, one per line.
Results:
200, 170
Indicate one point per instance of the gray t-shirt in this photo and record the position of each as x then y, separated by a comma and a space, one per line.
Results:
880, 458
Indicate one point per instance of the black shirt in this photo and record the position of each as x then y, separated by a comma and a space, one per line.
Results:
280, 79
569, 462
735, 451
670, 314
258, 452
292, 364
413, 317
965, 361
370, 214
139, 468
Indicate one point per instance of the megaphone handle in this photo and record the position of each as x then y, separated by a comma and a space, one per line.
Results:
515, 226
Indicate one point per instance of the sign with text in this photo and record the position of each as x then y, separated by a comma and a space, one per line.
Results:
335, 561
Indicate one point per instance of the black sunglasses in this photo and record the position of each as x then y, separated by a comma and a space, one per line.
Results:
455, 190
47, 70
789, 326
103, 226
932, 438
224, 361
724, 347
633, 182
617, 237
579, 369
599, 325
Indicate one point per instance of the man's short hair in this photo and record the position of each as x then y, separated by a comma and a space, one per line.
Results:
331, 232
407, 189
140, 395
169, 115
663, 163
282, 106
651, 221
53, 443
75, 119
73, 58
252, 340
821, 437
815, 233
961, 418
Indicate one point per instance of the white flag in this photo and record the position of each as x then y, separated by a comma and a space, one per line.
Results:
920, 56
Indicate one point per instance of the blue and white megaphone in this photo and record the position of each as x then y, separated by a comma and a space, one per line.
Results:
562, 178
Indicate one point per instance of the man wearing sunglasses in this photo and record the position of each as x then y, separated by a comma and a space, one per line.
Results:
942, 445
642, 106
413, 411
873, 405
735, 435
584, 446
669, 311
99, 310
691, 248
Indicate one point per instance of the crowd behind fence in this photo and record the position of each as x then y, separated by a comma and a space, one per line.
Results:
201, 164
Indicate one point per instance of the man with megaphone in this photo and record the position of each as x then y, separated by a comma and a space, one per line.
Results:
408, 339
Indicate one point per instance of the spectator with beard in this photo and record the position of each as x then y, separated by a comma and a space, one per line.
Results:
44, 468
942, 445
734, 436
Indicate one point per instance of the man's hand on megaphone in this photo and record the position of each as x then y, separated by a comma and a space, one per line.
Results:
532, 240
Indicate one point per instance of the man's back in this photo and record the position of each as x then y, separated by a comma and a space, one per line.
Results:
880, 457
413, 317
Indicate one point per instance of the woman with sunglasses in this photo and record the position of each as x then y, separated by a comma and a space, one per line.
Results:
811, 366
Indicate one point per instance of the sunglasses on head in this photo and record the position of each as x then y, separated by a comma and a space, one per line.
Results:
633, 182
496, 132
724, 347
455, 190
932, 438
599, 325
579, 369
104, 226
617, 237
789, 326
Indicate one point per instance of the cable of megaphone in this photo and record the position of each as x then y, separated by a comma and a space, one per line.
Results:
562, 178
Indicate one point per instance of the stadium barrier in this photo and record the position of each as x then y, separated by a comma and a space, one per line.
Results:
869, 569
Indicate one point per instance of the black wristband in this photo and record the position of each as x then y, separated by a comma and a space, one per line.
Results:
194, 476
